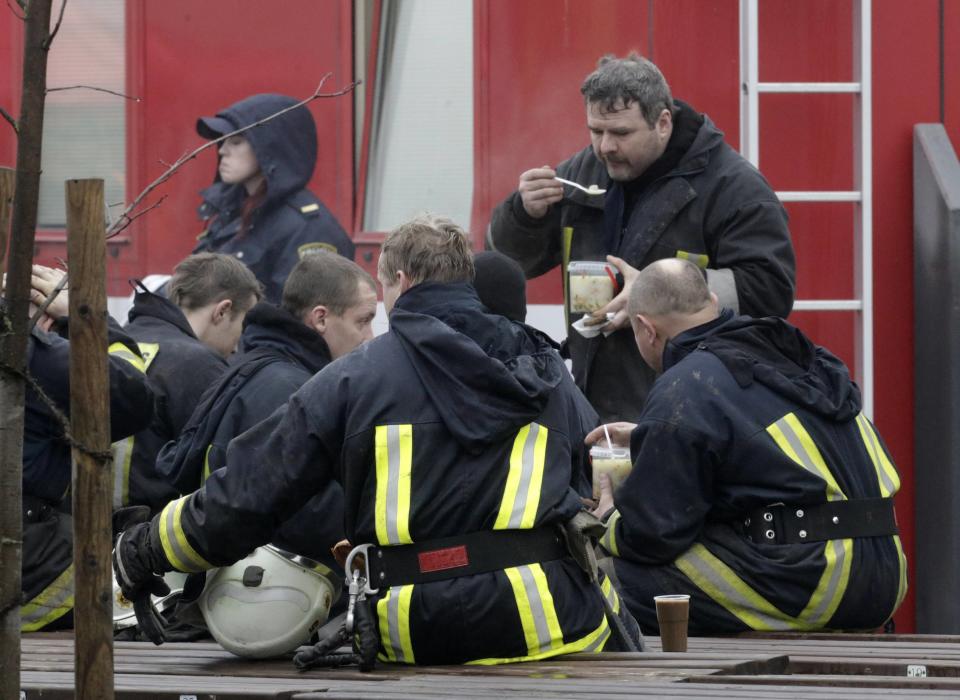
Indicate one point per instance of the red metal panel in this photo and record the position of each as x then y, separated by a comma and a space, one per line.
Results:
11, 29
951, 64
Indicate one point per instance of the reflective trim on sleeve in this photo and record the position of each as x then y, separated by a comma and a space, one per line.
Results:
699, 259
541, 628
394, 457
122, 454
886, 472
610, 593
609, 539
52, 603
122, 351
206, 464
179, 552
393, 611
521, 492
797, 444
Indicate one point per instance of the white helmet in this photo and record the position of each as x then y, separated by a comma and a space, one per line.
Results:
123, 615
269, 603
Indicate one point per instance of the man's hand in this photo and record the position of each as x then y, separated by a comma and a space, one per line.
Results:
134, 572
617, 305
538, 190
43, 280
606, 497
619, 434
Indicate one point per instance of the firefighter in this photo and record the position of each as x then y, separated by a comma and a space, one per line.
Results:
184, 341
258, 207
328, 307
458, 439
758, 485
47, 566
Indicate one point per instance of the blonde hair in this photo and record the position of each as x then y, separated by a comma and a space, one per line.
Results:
428, 248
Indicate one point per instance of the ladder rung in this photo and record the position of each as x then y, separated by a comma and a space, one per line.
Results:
827, 305
852, 196
808, 87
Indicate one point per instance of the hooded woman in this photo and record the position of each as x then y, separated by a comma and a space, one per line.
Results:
258, 207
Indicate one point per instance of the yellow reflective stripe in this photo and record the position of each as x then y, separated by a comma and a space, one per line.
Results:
521, 492
206, 464
609, 539
832, 585
393, 611
394, 460
122, 454
591, 643
902, 584
698, 259
797, 444
886, 472
122, 351
52, 603
611, 594
538, 615
149, 352
176, 548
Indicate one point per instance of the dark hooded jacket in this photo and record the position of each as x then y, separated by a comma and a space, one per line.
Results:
750, 413
180, 369
278, 354
455, 421
701, 201
291, 223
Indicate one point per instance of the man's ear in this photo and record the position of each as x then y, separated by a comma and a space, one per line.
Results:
647, 328
223, 311
665, 123
317, 318
404, 281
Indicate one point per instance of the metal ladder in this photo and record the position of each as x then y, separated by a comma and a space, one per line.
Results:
862, 196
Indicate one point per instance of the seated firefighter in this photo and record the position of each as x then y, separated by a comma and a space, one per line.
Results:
185, 341
758, 486
47, 566
458, 440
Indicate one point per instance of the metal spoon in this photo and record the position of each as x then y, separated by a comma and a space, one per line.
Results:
593, 189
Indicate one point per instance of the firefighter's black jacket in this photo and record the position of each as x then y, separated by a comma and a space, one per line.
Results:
180, 369
455, 421
748, 413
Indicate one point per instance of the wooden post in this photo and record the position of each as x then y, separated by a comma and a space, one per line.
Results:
6, 203
90, 424
13, 334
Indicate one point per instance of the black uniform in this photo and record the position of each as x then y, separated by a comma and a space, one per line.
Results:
750, 413
700, 201
292, 222
180, 369
279, 353
455, 421
47, 565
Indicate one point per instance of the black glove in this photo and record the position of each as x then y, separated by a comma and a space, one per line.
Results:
133, 567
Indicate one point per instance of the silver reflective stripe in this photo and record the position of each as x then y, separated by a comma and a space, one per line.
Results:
526, 473
597, 644
393, 489
876, 456
827, 605
53, 602
794, 440
393, 617
169, 524
544, 639
122, 453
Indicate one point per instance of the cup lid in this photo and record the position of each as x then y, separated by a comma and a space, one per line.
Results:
590, 267
600, 452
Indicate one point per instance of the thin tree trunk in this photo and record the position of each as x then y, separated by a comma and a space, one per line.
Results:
6, 203
13, 336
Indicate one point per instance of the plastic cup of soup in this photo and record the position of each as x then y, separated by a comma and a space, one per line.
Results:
591, 285
612, 461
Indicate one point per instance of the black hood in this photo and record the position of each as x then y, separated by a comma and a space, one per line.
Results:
269, 327
772, 352
487, 376
286, 146
157, 313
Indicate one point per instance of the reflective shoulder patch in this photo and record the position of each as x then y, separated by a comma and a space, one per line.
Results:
149, 351
314, 248
309, 208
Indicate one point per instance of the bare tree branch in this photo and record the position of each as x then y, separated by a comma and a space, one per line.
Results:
92, 87
56, 27
124, 219
10, 120
14, 11
46, 304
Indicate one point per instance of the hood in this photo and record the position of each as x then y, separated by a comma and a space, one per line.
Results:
286, 146
466, 357
153, 311
707, 138
772, 352
269, 327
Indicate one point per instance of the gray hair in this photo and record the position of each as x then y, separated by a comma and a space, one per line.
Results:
666, 287
619, 82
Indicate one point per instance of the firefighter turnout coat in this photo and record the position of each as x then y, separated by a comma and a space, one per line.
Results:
455, 421
749, 413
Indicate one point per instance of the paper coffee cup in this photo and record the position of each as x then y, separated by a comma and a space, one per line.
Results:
612, 461
673, 614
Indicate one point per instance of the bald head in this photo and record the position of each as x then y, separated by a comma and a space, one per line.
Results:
669, 287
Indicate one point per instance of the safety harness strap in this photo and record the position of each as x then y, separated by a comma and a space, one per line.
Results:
834, 520
462, 555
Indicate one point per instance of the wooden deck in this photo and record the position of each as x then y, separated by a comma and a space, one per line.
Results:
755, 666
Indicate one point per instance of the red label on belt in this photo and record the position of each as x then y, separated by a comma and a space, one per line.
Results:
441, 559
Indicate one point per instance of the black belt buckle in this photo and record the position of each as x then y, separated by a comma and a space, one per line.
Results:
765, 526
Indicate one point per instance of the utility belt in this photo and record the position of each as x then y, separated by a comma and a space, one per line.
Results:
780, 523
36, 510
462, 555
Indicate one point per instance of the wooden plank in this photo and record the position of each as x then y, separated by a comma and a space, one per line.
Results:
952, 684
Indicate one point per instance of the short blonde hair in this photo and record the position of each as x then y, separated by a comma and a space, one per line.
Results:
428, 248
